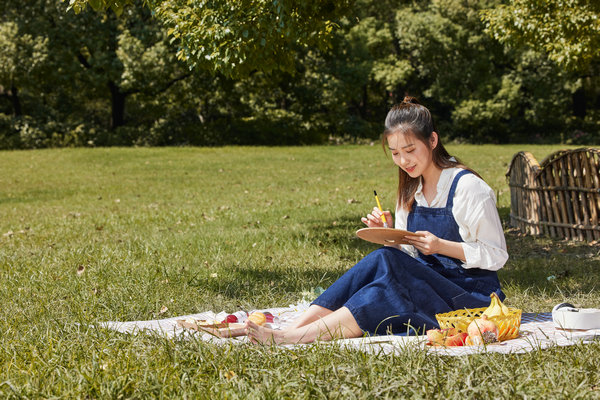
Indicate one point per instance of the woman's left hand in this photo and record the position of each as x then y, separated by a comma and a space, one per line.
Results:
424, 241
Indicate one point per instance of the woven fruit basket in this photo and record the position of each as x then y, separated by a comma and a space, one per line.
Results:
508, 325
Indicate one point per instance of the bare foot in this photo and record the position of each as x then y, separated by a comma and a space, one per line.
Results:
264, 335
334, 325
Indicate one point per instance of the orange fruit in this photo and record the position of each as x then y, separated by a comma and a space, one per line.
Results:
258, 318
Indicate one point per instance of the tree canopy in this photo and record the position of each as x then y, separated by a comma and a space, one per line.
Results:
567, 30
97, 79
240, 37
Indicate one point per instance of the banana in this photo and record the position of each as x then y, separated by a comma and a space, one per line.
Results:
504, 308
496, 308
492, 307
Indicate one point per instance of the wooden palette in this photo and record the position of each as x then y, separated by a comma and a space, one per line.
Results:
221, 329
385, 236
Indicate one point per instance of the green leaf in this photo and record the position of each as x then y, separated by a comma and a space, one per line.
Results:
97, 5
117, 8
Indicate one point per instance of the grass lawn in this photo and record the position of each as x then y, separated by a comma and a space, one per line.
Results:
89, 235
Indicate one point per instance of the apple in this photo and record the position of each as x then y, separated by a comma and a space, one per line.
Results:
456, 340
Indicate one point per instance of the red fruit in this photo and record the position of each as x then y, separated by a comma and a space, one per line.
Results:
456, 340
482, 330
435, 336
231, 319
270, 317
438, 336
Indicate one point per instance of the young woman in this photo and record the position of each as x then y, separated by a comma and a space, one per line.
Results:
451, 262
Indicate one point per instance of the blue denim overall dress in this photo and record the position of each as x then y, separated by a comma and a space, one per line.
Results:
389, 291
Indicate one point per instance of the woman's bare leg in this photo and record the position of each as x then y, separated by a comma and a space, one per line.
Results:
337, 324
313, 313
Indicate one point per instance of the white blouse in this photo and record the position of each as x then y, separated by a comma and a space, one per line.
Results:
475, 212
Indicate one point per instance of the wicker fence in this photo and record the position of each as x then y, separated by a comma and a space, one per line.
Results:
560, 197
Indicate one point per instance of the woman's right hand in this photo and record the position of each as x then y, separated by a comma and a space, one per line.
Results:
373, 220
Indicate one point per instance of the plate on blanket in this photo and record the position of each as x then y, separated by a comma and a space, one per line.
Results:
385, 236
221, 329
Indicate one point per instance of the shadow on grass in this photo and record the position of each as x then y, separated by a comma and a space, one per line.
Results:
540, 264
333, 249
504, 213
340, 234
536, 264
250, 278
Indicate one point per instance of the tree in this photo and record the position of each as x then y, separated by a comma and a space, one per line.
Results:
20, 55
478, 89
567, 30
239, 38
78, 74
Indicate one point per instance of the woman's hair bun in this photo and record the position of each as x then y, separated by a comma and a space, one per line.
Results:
410, 100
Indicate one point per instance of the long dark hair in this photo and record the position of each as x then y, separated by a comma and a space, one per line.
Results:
412, 117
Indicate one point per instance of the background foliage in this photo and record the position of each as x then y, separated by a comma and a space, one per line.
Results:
175, 72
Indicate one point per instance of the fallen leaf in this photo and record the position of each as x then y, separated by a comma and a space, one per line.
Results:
80, 269
8, 234
214, 275
208, 217
230, 375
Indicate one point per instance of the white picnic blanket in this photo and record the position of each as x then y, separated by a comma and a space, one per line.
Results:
537, 332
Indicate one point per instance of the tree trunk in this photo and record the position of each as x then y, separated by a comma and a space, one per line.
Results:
364, 102
579, 103
16, 103
118, 106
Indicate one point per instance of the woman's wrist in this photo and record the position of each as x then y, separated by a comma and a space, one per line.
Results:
451, 249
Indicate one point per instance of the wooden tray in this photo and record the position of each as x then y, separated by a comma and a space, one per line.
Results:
223, 329
385, 236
